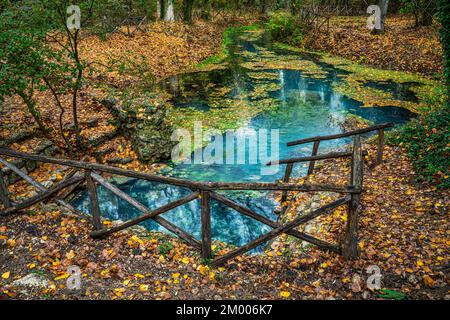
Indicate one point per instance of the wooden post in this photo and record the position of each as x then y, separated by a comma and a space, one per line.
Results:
93, 196
350, 245
287, 176
4, 195
206, 225
380, 146
314, 153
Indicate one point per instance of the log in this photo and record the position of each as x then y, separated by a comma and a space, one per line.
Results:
342, 135
4, 194
93, 196
287, 176
148, 214
251, 214
206, 225
42, 196
276, 232
350, 245
380, 146
313, 154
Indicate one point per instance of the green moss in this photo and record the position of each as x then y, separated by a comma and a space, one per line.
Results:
228, 36
353, 85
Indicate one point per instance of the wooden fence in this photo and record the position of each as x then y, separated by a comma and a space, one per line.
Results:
90, 173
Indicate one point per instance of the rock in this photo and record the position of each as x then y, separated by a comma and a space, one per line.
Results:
47, 184
32, 280
145, 126
356, 283
412, 279
109, 102
315, 205
366, 295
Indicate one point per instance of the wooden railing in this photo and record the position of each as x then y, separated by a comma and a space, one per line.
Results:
204, 191
316, 140
313, 19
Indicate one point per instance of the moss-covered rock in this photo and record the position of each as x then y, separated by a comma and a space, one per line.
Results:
146, 125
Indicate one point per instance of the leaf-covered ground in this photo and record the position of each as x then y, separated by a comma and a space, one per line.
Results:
404, 227
402, 47
404, 230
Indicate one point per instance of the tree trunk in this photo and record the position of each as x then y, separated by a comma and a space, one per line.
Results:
170, 15
187, 10
162, 8
383, 4
31, 105
158, 10
264, 7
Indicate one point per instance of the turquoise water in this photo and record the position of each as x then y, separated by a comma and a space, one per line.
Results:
303, 106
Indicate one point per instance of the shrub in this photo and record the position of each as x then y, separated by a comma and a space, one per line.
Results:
427, 141
284, 27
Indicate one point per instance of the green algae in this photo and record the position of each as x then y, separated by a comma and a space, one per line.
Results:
353, 85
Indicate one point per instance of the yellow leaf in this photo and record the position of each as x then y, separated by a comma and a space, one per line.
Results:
126, 282
143, 287
285, 294
138, 275
64, 276
119, 291
6, 275
136, 239
185, 260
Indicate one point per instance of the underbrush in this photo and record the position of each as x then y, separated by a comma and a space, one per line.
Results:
427, 140
226, 42
285, 28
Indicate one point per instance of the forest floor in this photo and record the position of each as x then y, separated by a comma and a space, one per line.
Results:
404, 226
404, 231
402, 47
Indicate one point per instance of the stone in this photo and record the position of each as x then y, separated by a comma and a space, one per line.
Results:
412, 279
356, 283
145, 126
32, 280
47, 184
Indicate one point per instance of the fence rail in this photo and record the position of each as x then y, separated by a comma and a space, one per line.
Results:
204, 192
316, 140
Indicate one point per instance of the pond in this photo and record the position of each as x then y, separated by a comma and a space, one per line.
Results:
258, 87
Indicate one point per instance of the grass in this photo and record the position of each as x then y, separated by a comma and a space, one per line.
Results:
224, 53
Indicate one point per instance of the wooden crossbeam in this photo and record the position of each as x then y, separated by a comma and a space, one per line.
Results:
331, 155
342, 135
251, 214
148, 214
41, 188
287, 176
282, 229
93, 197
212, 186
42, 196
4, 194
